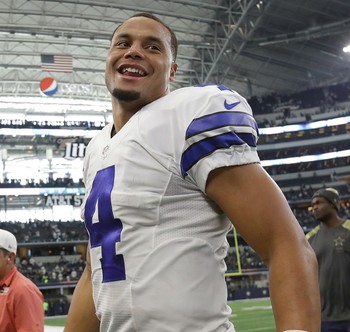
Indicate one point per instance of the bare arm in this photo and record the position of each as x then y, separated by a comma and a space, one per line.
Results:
81, 316
261, 214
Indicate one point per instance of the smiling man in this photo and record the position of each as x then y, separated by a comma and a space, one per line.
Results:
164, 184
140, 64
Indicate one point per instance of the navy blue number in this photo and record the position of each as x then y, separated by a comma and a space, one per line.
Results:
106, 232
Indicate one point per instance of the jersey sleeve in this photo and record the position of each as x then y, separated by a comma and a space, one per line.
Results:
222, 133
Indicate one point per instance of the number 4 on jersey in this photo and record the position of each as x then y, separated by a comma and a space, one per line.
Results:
106, 232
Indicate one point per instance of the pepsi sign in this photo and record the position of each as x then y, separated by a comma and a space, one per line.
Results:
48, 86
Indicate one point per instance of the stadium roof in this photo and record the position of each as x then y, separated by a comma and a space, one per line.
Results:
256, 47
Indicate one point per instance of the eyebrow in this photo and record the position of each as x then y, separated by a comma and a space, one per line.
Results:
149, 38
122, 35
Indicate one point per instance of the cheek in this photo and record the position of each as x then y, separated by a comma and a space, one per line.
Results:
108, 69
163, 67
111, 60
166, 75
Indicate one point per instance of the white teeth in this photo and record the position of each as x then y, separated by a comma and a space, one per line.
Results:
133, 70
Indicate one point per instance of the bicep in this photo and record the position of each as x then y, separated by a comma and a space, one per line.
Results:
255, 205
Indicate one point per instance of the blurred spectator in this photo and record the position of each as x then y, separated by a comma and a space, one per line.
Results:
21, 302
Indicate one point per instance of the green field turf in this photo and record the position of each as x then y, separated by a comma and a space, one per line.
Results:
248, 316
53, 321
252, 315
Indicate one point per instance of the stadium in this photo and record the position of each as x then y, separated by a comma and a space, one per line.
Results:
287, 58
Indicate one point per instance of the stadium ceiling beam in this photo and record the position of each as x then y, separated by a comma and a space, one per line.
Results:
92, 17
108, 4
246, 8
307, 34
239, 50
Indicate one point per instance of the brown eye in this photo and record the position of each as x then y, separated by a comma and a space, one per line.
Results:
122, 44
153, 48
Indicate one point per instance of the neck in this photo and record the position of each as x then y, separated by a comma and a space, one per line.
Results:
122, 112
333, 221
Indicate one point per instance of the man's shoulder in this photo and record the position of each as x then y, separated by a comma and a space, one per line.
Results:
199, 99
23, 281
20, 283
346, 224
313, 232
202, 89
23, 290
182, 95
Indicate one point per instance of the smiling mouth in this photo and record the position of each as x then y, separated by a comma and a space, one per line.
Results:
134, 72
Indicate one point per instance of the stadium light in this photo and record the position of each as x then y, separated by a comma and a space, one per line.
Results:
305, 126
308, 158
346, 49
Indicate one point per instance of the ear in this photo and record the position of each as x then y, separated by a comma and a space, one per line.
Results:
11, 256
173, 71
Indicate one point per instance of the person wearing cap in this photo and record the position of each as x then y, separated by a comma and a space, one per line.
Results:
331, 243
21, 302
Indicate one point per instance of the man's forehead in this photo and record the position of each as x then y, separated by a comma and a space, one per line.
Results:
142, 26
319, 198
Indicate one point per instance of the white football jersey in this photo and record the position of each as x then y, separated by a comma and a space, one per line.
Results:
158, 243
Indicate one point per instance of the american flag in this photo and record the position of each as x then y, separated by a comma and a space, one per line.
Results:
57, 63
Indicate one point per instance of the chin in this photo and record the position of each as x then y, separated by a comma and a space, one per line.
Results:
126, 95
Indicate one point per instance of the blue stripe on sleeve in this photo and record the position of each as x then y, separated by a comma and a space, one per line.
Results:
218, 120
207, 146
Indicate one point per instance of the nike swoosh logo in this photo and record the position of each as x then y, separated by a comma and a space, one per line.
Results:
230, 106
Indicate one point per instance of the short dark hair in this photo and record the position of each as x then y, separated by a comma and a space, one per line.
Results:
173, 39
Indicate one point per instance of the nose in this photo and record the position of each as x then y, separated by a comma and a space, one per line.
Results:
134, 52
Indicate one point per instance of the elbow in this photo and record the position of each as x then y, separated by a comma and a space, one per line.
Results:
297, 250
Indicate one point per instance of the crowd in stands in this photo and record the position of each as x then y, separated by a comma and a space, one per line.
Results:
324, 99
293, 115
46, 231
308, 166
62, 271
50, 182
51, 124
303, 150
249, 260
300, 135
242, 286
57, 305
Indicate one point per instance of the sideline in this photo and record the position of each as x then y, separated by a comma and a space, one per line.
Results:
53, 328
